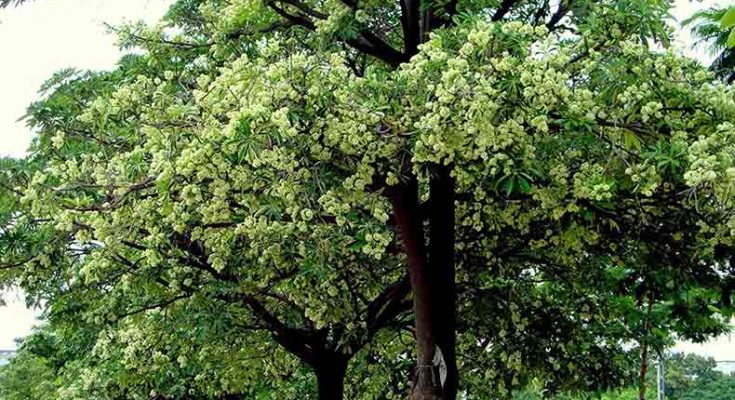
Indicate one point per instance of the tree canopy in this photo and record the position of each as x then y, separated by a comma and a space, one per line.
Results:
283, 199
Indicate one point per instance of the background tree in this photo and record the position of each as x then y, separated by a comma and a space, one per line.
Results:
27, 377
715, 27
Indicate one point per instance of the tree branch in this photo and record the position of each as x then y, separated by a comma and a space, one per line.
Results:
390, 303
410, 24
154, 306
503, 9
564, 7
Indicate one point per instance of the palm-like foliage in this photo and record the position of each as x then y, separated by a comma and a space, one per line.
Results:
5, 3
707, 27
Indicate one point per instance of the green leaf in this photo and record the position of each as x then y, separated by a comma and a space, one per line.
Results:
357, 245
588, 215
509, 186
631, 141
728, 20
618, 273
731, 38
524, 185
714, 309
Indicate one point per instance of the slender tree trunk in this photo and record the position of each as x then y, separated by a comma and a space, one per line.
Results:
442, 273
330, 375
644, 371
406, 209
642, 386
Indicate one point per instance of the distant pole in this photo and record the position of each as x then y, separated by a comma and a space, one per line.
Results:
661, 379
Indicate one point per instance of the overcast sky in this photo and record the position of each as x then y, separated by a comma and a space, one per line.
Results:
44, 36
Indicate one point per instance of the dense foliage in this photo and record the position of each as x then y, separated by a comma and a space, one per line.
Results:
687, 377
249, 206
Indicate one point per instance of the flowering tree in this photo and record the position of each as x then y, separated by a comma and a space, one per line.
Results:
308, 170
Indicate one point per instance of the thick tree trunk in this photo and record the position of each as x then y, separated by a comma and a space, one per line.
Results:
330, 375
432, 274
410, 225
442, 274
313, 348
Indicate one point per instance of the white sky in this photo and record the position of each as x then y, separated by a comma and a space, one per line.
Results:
44, 36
